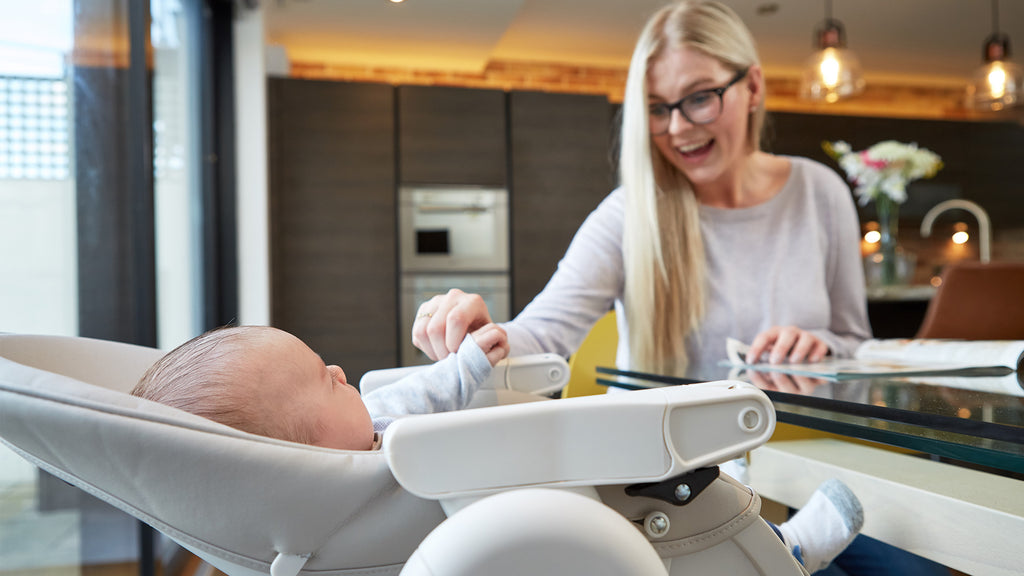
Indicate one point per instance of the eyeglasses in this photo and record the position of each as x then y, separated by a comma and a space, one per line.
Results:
702, 107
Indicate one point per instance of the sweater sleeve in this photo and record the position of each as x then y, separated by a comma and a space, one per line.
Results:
848, 325
588, 280
444, 386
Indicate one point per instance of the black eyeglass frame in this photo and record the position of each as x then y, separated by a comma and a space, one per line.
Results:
678, 104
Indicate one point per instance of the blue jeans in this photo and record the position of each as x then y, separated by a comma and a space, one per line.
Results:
869, 557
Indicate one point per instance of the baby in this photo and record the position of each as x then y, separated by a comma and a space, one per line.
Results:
266, 381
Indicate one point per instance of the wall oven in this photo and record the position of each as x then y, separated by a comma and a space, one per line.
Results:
453, 228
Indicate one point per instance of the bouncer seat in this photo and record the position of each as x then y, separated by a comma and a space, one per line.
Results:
613, 484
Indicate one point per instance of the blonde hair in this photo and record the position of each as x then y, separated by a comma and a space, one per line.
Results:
662, 245
210, 376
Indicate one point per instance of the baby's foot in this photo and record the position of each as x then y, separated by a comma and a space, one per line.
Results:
825, 526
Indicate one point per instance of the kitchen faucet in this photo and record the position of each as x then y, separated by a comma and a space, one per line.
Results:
984, 226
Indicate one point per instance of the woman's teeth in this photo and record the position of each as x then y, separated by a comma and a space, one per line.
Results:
691, 148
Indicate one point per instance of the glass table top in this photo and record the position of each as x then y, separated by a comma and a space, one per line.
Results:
975, 420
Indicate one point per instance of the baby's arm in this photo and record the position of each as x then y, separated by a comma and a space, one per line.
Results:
444, 386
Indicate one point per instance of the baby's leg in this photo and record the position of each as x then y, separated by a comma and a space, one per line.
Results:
825, 526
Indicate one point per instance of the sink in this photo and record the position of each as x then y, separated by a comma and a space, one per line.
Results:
984, 225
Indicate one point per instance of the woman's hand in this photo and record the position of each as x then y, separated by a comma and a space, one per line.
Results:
493, 340
787, 344
790, 383
442, 322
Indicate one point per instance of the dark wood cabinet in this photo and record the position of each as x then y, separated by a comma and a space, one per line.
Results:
896, 318
561, 170
452, 136
332, 220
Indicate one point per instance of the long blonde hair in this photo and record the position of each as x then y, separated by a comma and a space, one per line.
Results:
662, 245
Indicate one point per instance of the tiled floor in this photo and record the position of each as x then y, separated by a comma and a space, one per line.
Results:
32, 542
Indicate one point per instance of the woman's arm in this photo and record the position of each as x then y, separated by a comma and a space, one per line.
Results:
849, 322
588, 280
583, 288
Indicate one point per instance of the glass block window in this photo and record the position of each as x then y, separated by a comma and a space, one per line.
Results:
34, 134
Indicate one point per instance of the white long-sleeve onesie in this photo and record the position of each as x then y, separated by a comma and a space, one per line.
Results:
443, 386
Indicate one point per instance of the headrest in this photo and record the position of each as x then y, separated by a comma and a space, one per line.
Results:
236, 499
113, 365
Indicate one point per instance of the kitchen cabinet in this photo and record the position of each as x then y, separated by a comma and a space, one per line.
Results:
896, 318
561, 170
332, 219
339, 151
452, 136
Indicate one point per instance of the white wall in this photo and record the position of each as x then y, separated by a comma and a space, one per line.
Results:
251, 167
38, 258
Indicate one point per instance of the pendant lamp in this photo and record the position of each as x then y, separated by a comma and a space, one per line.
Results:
999, 83
833, 72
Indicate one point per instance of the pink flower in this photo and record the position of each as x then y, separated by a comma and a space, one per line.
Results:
872, 162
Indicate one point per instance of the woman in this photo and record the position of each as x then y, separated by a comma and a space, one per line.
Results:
708, 237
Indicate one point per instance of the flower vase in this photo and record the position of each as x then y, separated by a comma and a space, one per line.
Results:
891, 265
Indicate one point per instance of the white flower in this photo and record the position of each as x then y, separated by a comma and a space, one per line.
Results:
841, 147
885, 168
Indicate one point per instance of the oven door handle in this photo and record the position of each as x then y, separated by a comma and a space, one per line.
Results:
452, 209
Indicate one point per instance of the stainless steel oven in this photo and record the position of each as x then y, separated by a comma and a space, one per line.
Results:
445, 228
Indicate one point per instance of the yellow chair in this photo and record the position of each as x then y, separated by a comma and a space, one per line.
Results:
597, 349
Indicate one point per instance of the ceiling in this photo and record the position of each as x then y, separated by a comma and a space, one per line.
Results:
910, 41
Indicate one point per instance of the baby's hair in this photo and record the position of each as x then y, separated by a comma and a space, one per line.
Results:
210, 376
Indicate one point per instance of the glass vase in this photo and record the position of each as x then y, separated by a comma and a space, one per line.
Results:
889, 228
891, 265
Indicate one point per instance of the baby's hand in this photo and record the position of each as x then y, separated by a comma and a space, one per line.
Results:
493, 340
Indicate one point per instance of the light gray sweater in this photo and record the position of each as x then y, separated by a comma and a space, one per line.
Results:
443, 386
793, 260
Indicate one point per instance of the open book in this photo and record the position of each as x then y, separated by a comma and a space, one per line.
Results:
901, 357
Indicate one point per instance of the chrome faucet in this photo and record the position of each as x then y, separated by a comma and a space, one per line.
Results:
984, 226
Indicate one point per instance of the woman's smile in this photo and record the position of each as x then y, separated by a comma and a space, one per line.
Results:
696, 150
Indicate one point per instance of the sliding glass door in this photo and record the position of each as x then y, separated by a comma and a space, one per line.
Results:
113, 211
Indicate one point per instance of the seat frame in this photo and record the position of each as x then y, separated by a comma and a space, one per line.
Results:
249, 505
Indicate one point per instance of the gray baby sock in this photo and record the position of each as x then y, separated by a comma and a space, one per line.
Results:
825, 526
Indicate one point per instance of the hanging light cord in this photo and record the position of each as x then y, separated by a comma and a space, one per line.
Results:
995, 17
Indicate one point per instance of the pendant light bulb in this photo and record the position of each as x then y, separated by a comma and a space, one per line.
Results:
999, 83
833, 72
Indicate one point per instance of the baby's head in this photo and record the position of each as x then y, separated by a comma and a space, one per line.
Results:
264, 381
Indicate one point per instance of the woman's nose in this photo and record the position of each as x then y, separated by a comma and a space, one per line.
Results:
677, 122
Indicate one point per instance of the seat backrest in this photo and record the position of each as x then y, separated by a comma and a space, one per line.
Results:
235, 499
977, 301
597, 349
113, 365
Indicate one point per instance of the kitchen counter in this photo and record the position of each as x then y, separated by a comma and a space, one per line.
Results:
897, 311
905, 293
